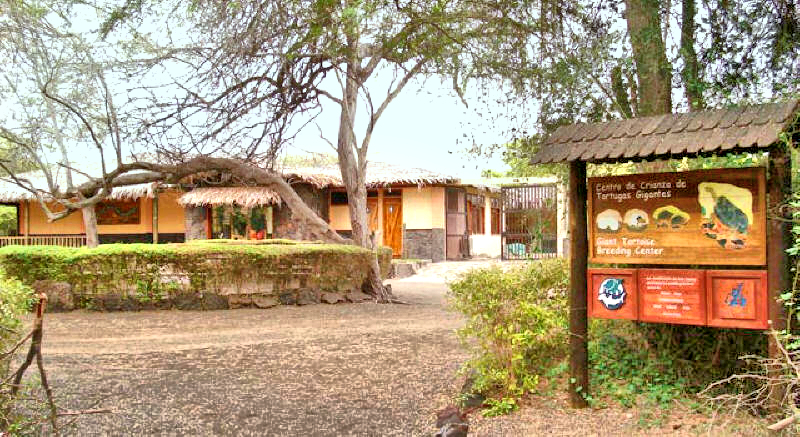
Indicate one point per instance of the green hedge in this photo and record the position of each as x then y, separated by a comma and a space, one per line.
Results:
145, 271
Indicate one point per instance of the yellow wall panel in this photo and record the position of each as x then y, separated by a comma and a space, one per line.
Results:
170, 213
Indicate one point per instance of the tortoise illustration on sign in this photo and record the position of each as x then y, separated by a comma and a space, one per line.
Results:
611, 293
727, 212
670, 216
636, 220
609, 220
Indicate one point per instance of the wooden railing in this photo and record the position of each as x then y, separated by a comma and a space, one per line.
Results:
45, 240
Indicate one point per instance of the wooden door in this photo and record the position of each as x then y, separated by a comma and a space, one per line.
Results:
393, 224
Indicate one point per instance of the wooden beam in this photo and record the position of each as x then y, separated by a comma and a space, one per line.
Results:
578, 321
779, 239
155, 217
27, 221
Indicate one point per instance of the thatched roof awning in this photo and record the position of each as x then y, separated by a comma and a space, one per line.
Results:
670, 135
247, 197
379, 174
11, 192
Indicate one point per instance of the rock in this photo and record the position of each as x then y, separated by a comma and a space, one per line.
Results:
213, 301
451, 422
332, 297
453, 430
288, 299
59, 295
357, 296
109, 302
239, 300
263, 301
402, 270
188, 301
307, 297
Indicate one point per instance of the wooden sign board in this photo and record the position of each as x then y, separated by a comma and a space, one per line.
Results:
672, 296
718, 298
737, 298
612, 294
697, 217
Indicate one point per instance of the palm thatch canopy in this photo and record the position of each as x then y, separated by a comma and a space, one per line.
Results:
12, 192
247, 197
671, 135
379, 174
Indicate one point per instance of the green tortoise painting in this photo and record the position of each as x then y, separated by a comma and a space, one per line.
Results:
727, 212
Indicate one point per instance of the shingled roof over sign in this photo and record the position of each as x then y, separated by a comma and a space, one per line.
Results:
670, 134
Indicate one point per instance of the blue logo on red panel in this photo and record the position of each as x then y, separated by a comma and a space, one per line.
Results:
736, 296
612, 293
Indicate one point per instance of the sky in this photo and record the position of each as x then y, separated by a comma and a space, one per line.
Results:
426, 126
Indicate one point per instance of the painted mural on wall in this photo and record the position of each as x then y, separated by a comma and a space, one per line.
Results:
118, 212
706, 216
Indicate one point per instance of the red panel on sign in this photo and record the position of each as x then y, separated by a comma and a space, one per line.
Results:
612, 294
672, 296
737, 298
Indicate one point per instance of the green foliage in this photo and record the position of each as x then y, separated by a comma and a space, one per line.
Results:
8, 220
659, 363
15, 300
515, 327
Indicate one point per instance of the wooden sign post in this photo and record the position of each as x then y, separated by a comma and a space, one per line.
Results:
681, 220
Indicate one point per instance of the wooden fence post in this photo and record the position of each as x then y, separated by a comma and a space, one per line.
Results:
779, 238
578, 321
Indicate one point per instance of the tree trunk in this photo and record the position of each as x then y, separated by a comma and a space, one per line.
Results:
690, 73
354, 169
653, 70
90, 226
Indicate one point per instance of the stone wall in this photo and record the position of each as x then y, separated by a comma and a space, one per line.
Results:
424, 244
283, 224
201, 275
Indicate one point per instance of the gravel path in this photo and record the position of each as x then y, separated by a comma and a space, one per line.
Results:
355, 369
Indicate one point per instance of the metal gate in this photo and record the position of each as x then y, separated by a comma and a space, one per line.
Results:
457, 239
530, 222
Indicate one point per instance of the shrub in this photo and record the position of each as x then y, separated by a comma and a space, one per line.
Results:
15, 300
516, 327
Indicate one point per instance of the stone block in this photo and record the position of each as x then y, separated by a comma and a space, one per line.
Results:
328, 297
59, 295
307, 297
357, 296
289, 298
213, 301
188, 301
263, 301
239, 300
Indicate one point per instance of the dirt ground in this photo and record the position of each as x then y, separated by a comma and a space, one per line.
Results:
320, 370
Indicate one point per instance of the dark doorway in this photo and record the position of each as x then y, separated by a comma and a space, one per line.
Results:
457, 238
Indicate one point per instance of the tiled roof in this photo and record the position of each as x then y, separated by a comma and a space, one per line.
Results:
670, 134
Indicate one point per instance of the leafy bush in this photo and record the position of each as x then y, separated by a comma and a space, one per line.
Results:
8, 220
15, 300
516, 327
